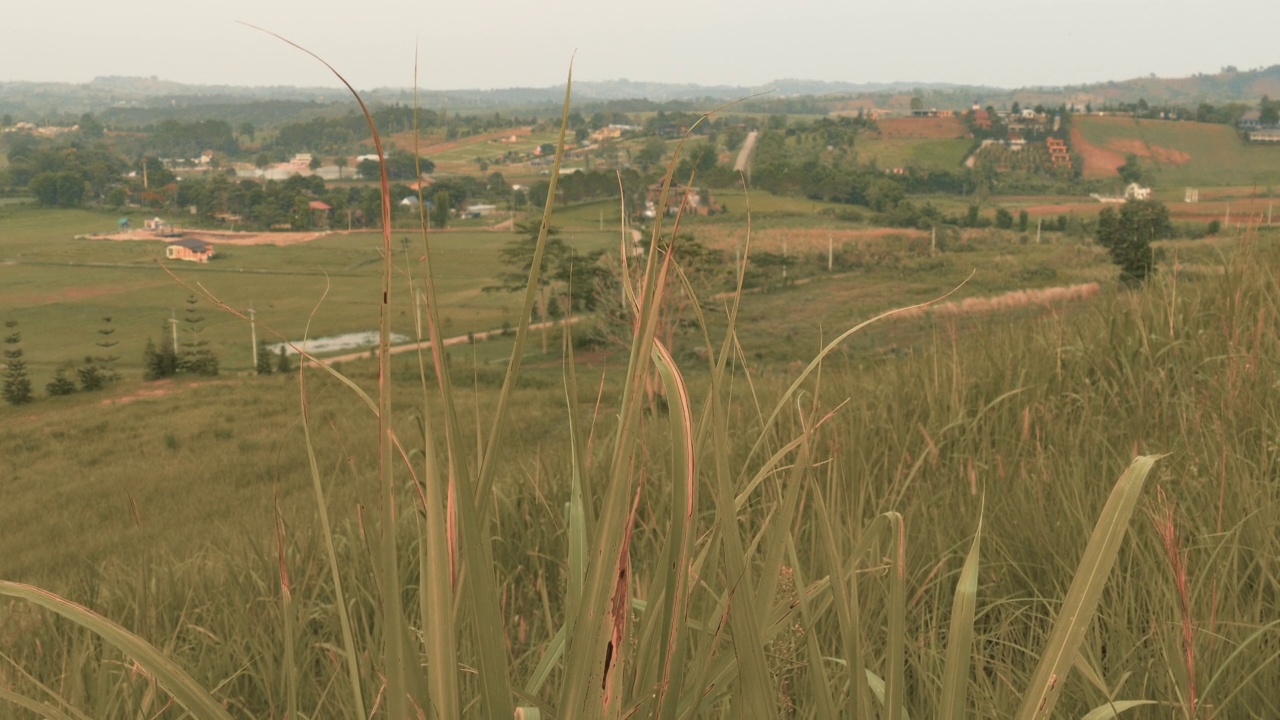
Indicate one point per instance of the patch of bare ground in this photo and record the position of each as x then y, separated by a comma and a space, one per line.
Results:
217, 237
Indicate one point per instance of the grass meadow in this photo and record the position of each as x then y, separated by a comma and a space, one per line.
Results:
1216, 155
1041, 511
58, 287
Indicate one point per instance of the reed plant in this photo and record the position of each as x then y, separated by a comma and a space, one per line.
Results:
938, 537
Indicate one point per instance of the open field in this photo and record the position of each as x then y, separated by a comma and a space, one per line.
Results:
1022, 419
925, 143
1176, 153
58, 287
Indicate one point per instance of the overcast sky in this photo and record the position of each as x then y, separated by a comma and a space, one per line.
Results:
504, 43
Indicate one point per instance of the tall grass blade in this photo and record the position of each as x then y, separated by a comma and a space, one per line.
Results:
955, 673
349, 656
184, 689
1084, 594
287, 612
895, 682
484, 481
33, 705
1113, 709
679, 541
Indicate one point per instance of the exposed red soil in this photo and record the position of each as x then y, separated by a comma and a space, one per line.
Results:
1095, 161
1104, 160
799, 239
159, 388
218, 237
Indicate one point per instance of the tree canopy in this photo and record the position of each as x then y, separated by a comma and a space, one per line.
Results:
1127, 235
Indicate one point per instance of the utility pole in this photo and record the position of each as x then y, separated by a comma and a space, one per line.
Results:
1039, 223
253, 336
173, 324
933, 240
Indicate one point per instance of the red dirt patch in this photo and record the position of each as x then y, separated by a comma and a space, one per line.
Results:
1095, 161
800, 240
218, 237
1162, 155
1103, 161
156, 389
925, 128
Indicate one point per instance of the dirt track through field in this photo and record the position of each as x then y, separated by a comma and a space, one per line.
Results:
216, 237
447, 342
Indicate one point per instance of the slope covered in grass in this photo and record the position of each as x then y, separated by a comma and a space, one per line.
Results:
1174, 153
1026, 424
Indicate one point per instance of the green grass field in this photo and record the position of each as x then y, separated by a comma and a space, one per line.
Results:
58, 287
788, 539
925, 154
1217, 154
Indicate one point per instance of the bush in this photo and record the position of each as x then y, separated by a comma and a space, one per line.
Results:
61, 384
158, 363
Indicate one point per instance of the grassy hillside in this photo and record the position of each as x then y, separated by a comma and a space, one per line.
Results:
870, 482
1176, 154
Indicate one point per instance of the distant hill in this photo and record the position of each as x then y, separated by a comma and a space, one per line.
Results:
36, 100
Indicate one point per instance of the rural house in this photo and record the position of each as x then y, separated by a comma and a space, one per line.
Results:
189, 249
1134, 191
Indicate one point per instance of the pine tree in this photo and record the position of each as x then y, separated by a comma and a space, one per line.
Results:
264, 360
195, 356
98, 371
17, 387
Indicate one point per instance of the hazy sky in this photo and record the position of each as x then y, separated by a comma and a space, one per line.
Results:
502, 43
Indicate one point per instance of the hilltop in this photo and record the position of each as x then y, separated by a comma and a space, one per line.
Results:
1228, 85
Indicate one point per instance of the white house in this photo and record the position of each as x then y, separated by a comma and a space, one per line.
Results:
1134, 191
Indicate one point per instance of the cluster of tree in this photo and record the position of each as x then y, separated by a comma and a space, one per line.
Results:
400, 166
1269, 111
96, 373
177, 139
63, 174
337, 134
192, 355
583, 186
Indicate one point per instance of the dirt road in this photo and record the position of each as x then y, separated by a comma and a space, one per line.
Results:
425, 344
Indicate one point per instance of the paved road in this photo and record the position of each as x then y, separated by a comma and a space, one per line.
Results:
425, 344
744, 155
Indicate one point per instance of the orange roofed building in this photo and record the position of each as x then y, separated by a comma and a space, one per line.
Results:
1058, 152
189, 249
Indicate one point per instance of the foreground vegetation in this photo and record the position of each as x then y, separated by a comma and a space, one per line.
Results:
928, 534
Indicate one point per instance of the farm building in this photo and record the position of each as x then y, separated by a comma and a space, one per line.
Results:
189, 249
1267, 135
1134, 191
